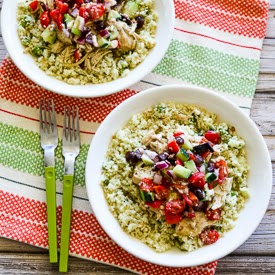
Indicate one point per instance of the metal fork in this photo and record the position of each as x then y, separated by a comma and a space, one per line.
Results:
70, 150
49, 140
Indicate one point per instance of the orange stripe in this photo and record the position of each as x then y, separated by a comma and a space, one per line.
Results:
15, 87
225, 22
251, 8
87, 237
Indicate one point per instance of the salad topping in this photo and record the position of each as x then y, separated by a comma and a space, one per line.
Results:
185, 181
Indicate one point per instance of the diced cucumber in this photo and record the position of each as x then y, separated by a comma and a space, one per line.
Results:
37, 51
182, 155
187, 144
182, 172
146, 160
114, 34
210, 177
75, 29
146, 196
49, 35
68, 20
190, 164
102, 42
113, 14
130, 9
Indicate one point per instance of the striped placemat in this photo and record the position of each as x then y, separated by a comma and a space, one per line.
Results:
216, 45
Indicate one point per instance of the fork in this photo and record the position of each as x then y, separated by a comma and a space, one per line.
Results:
49, 140
70, 150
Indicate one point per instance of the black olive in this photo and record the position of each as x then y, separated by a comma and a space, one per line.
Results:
202, 148
179, 140
172, 159
199, 193
199, 160
202, 206
140, 21
70, 3
125, 19
131, 157
100, 25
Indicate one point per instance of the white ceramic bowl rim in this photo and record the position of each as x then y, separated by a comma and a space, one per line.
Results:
26, 64
254, 209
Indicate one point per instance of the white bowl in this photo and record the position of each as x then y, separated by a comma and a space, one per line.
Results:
260, 176
25, 62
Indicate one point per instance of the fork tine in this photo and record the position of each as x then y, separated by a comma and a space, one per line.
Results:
69, 125
73, 128
50, 128
45, 117
64, 124
54, 117
40, 116
77, 124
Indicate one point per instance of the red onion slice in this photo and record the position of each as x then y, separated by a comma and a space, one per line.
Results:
162, 165
104, 33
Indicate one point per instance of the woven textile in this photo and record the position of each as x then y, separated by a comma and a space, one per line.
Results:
216, 45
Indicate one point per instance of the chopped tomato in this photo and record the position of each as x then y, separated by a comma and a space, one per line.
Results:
173, 146
161, 192
63, 7
79, 2
205, 154
76, 55
192, 156
212, 136
172, 218
213, 215
60, 21
83, 12
97, 11
223, 170
209, 236
178, 162
45, 19
177, 134
34, 5
155, 204
197, 179
191, 199
175, 206
146, 185
54, 15
187, 200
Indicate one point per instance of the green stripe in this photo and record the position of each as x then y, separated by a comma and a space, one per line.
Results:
210, 68
20, 149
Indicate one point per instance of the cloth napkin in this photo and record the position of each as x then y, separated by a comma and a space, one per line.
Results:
216, 45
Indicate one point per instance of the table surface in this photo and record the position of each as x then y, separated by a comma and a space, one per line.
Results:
255, 256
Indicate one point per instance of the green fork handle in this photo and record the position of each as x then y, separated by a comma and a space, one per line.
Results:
66, 222
51, 212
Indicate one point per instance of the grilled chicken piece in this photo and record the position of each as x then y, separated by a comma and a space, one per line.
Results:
221, 191
192, 227
155, 142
